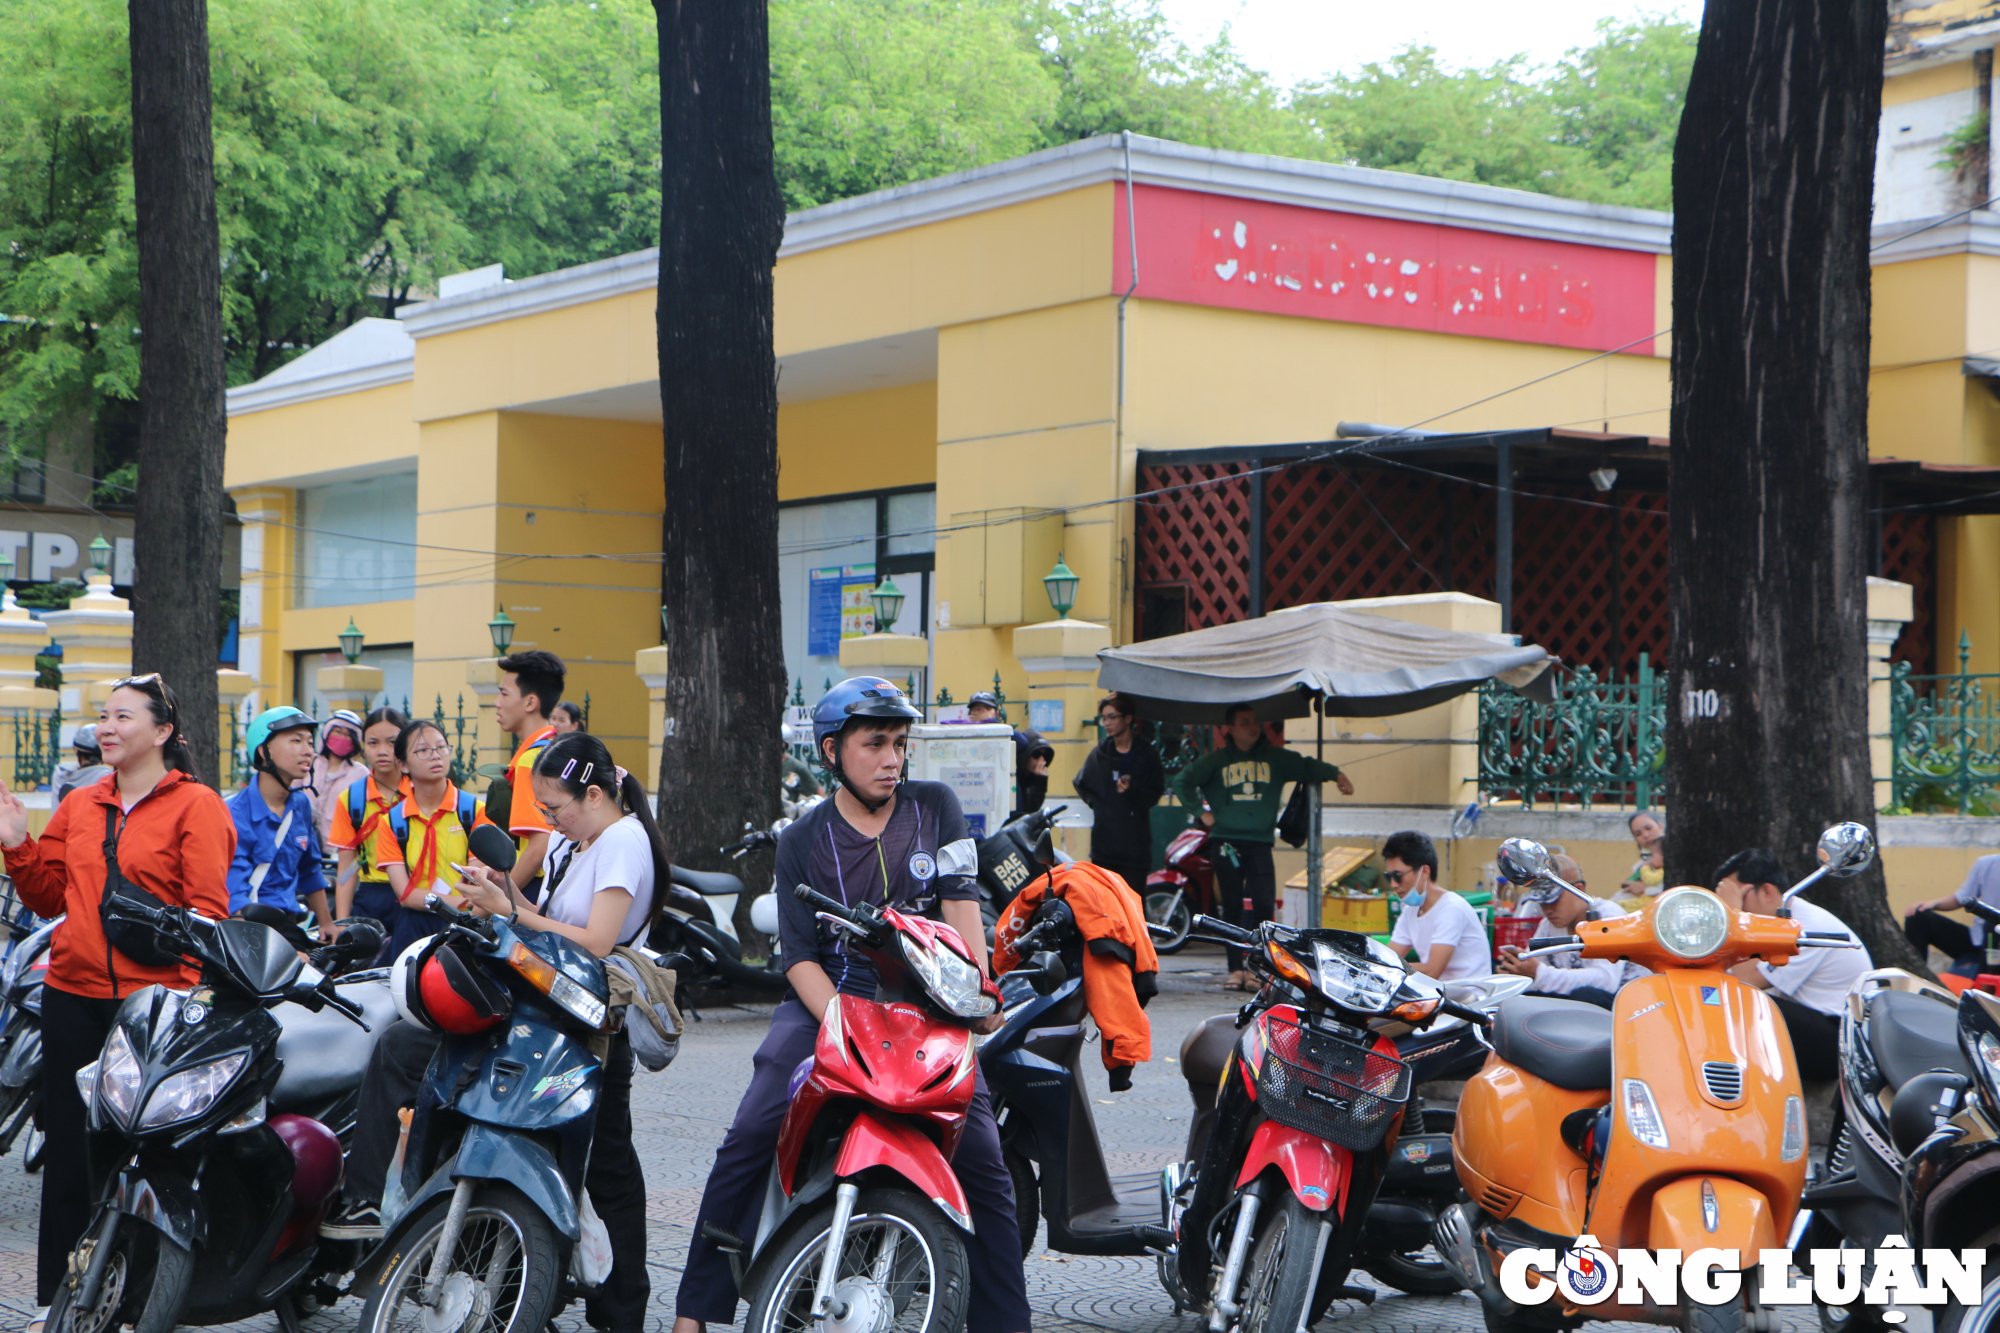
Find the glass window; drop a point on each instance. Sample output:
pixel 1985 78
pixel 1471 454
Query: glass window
pixel 398 676
pixel 355 541
pixel 837 537
pixel 912 516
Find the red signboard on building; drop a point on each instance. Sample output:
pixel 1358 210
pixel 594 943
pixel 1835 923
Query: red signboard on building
pixel 1283 259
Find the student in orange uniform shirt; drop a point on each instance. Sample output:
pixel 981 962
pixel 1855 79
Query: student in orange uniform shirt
pixel 426 834
pixel 360 824
pixel 170 837
pixel 531 685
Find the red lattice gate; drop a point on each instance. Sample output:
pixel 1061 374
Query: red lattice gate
pixel 1590 571
pixel 1194 547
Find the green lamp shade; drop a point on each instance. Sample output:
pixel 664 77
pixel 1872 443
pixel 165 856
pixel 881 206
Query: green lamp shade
pixel 100 553
pixel 350 642
pixel 888 600
pixel 1061 583
pixel 501 627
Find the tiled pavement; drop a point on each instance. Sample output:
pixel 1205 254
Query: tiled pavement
pixel 681 1116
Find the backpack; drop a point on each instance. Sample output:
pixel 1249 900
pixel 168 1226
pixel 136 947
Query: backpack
pixel 500 793
pixel 399 821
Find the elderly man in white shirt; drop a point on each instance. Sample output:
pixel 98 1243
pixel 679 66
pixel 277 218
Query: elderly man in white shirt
pixel 1812 985
pixel 1595 980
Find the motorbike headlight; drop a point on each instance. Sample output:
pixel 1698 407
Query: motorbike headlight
pixel 86 1083
pixel 545 977
pixel 1691 923
pixel 192 1091
pixel 950 980
pixel 1363 987
pixel 119 1078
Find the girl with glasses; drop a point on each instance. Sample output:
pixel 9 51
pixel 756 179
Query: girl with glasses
pixel 425 834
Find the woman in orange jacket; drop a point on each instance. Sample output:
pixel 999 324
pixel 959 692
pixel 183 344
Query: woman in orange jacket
pixel 170 836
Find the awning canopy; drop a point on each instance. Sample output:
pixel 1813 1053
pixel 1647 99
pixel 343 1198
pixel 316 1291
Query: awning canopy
pixel 1357 664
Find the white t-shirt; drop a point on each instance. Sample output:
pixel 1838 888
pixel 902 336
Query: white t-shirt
pixel 1451 921
pixel 1563 973
pixel 1819 978
pixel 620 858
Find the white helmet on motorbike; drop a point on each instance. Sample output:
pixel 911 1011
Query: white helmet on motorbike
pixel 403 978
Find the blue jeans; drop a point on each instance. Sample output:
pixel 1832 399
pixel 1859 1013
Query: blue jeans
pixel 735 1191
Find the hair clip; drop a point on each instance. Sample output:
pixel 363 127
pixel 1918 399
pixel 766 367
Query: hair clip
pixel 568 769
pixel 585 779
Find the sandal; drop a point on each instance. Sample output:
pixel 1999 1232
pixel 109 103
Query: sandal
pixel 40 1319
pixel 1234 981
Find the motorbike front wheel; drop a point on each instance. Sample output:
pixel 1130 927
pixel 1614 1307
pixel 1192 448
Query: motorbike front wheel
pixel 142 1260
pixel 1417 1273
pixel 504 1276
pixel 904 1267
pixel 34 1144
pixel 1283 1270
pixel 1169 908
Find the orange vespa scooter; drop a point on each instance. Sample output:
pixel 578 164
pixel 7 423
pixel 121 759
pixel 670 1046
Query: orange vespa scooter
pixel 1672 1122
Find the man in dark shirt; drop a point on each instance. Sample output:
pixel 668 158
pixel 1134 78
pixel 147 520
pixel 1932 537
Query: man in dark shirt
pixel 879 841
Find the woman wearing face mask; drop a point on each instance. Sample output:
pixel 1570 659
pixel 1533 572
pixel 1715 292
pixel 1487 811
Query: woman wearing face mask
pixel 169 837
pixel 337 765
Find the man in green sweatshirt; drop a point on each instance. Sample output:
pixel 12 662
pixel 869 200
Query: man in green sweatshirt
pixel 1241 783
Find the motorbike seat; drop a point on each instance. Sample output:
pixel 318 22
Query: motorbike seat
pixel 1206 1050
pixel 325 1053
pixel 708 883
pixel 1566 1042
pixel 1909 1034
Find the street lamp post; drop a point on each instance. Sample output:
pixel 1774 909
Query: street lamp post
pixel 100 554
pixel 351 640
pixel 1061 584
pixel 501 627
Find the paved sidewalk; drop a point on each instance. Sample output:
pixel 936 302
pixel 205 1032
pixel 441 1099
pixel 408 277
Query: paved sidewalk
pixel 681 1116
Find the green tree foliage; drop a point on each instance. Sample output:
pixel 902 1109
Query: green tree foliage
pixel 364 150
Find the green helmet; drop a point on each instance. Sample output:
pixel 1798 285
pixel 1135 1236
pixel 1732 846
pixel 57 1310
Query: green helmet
pixel 268 724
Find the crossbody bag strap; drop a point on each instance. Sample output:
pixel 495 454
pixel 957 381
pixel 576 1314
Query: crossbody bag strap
pixel 277 843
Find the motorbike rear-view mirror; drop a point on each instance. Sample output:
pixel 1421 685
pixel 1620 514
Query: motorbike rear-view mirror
pixel 1522 860
pixel 1846 849
pixel 1048 972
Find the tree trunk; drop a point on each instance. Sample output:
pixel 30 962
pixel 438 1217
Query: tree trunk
pixel 1767 738
pixel 177 552
pixel 721 219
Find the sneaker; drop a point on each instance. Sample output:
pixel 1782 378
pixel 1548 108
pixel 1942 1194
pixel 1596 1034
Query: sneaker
pixel 357 1221
pixel 41 1318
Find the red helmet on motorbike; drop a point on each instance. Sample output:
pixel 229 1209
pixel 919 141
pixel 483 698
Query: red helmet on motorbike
pixel 435 987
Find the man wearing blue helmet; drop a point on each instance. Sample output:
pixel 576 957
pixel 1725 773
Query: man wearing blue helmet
pixel 277 858
pixel 883 841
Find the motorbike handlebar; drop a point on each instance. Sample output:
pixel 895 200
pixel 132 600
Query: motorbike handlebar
pixel 1219 931
pixel 1985 911
pixel 346 1006
pixel 1827 939
pixel 1478 1017
pixel 1552 944
pixel 819 902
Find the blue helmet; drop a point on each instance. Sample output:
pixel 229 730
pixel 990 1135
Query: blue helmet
pixel 268 724
pixel 860 697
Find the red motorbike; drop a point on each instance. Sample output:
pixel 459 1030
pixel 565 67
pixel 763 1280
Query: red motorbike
pixel 865 1223
pixel 1182 889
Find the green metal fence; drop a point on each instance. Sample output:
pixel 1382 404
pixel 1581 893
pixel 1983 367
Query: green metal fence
pixel 1944 739
pixel 1601 741
pixel 37 748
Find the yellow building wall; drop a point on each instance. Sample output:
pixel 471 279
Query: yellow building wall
pixel 857 442
pixel 1917 85
pixel 1025 420
pixel 371 430
pixel 1044 252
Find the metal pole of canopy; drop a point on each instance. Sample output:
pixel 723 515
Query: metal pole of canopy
pixel 1313 866
pixel 1503 535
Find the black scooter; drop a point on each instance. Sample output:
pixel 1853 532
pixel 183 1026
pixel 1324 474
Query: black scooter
pixel 1946 1199
pixel 698 920
pixel 21 980
pixel 213 1104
